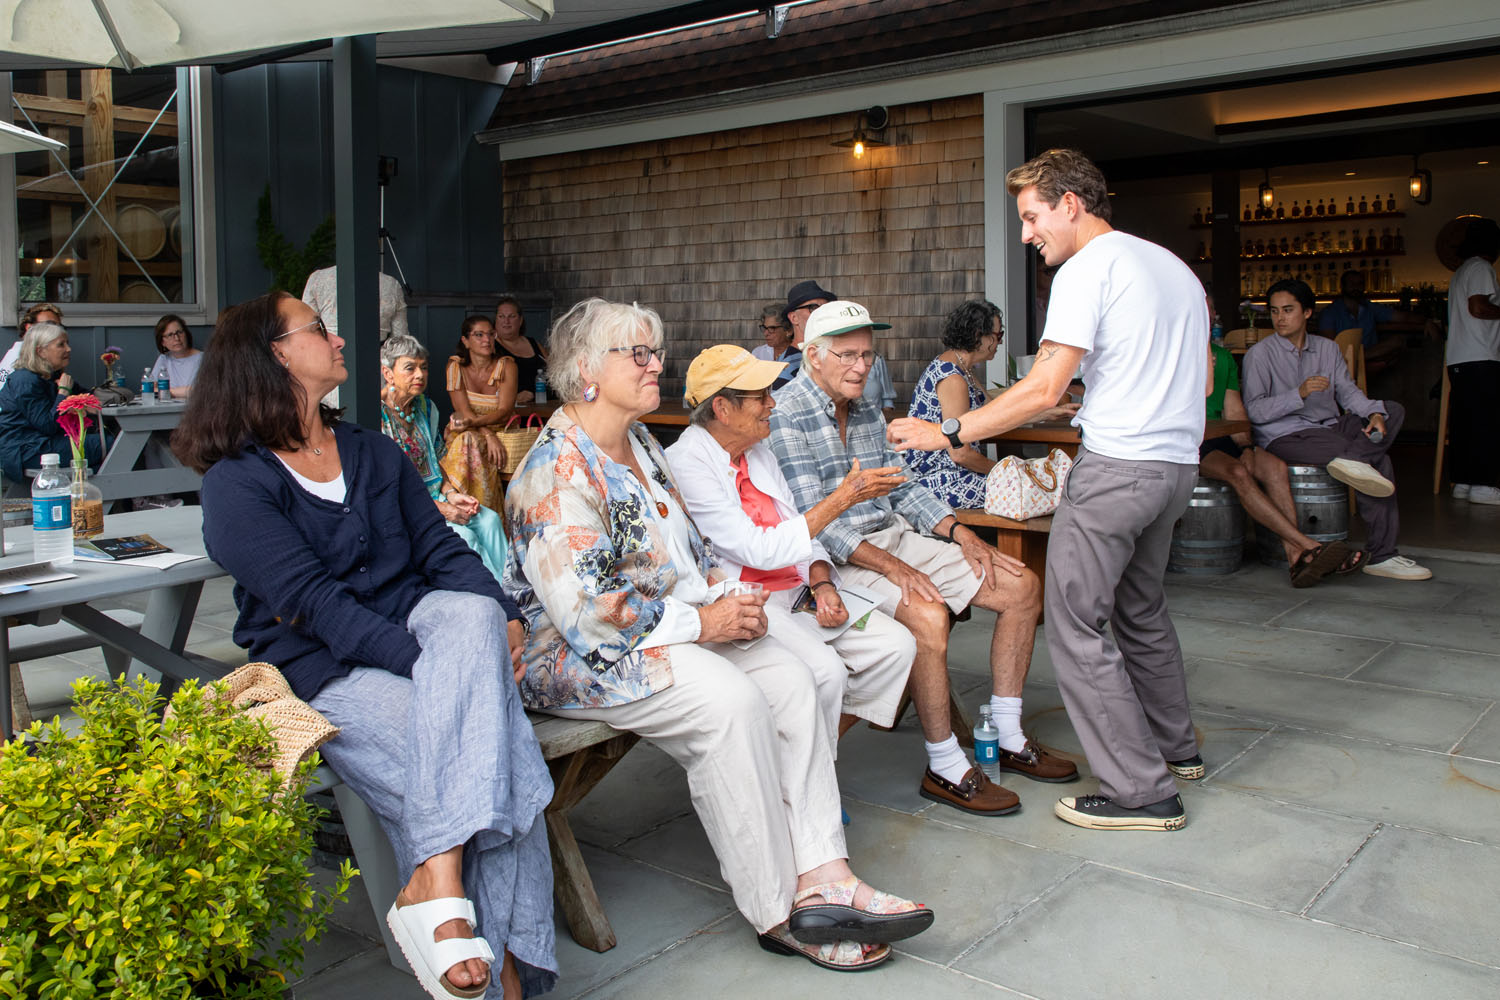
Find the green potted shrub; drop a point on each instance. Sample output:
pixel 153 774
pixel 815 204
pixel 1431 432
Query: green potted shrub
pixel 144 857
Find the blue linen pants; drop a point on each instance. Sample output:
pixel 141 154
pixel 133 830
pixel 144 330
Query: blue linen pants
pixel 1124 689
pixel 447 757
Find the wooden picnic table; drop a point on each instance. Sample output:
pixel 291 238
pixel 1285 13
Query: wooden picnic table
pixel 1068 438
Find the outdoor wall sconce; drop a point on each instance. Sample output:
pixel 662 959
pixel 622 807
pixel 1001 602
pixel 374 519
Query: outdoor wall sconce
pixel 1267 192
pixel 869 131
pixel 1420 184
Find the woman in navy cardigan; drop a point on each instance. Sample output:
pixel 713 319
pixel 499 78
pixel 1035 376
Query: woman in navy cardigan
pixel 28 404
pixel 387 623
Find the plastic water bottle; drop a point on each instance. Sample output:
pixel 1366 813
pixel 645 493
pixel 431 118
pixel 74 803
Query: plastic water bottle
pixel 163 389
pixel 52 513
pixel 148 388
pixel 541 386
pixel 987 745
pixel 1216 333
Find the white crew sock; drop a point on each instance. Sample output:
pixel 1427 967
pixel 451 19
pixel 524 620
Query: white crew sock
pixel 947 759
pixel 1005 713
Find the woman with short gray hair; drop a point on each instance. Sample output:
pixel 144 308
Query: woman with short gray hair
pixel 633 624
pixel 408 418
pixel 28 403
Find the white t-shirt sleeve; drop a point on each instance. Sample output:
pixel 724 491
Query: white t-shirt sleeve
pixel 1075 305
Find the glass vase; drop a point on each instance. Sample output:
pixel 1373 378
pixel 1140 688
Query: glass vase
pixel 88 504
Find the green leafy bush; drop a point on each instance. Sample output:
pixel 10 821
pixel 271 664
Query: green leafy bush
pixel 289 266
pixel 150 858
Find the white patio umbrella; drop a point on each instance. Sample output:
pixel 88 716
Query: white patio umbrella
pixel 133 33
pixel 14 139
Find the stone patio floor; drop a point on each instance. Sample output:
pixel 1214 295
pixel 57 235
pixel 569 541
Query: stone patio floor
pixel 1345 843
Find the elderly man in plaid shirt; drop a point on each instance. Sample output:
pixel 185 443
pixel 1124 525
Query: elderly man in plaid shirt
pixel 909 548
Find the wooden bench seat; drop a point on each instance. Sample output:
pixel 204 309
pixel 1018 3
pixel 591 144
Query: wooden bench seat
pixel 579 754
pixel 1024 540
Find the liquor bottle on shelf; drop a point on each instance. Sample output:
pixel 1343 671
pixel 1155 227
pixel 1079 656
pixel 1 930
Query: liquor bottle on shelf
pixel 1321 209
pixel 1284 247
pixel 1280 210
pixel 1390 277
pixel 1400 244
pixel 1349 207
pixel 1296 209
pixel 1202 253
pixel 1343 243
pixel 1325 241
pixel 1307 209
pixel 1386 243
pixel 1364 272
pixel 1372 243
pixel 1364 205
pixel 1296 244
pixel 1248 216
pixel 1390 202
pixel 1197 216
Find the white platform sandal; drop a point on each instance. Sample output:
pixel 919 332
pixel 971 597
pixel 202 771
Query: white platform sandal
pixel 413 925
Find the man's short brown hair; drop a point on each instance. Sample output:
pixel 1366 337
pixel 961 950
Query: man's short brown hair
pixel 1058 171
pixel 29 316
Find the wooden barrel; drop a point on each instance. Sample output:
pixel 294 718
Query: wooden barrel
pixel 171 218
pixel 139 292
pixel 141 230
pixel 1209 539
pixel 1322 504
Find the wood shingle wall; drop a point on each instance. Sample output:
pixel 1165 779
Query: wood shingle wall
pixel 707 229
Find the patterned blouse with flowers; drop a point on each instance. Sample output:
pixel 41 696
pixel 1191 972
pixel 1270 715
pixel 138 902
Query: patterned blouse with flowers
pixel 592 566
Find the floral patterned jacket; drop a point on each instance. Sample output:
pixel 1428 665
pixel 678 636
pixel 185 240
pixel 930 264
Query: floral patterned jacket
pixel 590 569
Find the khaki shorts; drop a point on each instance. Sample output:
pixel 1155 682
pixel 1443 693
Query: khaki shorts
pixel 942 561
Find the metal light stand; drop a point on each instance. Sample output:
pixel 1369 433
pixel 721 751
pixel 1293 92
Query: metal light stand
pixel 388 166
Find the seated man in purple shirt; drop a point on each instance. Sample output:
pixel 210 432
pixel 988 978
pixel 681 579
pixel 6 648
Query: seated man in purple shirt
pixel 1294 387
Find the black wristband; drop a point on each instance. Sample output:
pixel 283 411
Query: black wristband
pixel 953 529
pixel 821 583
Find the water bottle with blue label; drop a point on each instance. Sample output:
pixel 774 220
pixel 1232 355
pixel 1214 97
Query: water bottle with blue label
pixel 541 386
pixel 148 388
pixel 987 745
pixel 163 388
pixel 52 513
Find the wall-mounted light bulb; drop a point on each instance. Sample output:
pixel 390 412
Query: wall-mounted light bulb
pixel 859 148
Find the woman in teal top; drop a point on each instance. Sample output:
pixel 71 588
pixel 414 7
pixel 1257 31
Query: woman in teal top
pixel 409 418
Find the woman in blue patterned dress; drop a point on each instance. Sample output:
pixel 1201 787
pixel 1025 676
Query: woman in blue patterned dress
pixel 949 389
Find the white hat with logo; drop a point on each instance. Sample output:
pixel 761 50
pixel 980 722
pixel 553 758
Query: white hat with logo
pixel 836 318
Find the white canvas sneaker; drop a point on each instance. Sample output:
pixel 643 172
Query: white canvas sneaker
pixel 1399 568
pixel 1461 491
pixel 1363 476
pixel 1484 494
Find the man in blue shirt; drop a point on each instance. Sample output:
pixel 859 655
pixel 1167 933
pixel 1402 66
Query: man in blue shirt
pixel 1351 309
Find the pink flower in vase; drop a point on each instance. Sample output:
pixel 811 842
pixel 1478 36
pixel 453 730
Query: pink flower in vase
pixel 72 417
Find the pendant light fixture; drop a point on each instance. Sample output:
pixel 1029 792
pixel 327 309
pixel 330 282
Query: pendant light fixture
pixel 1267 192
pixel 1419 184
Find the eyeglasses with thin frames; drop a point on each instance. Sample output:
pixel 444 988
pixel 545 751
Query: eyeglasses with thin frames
pixel 849 358
pixel 316 324
pixel 756 395
pixel 641 354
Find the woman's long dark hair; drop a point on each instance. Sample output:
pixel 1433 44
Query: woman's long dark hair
pixel 470 322
pixel 242 393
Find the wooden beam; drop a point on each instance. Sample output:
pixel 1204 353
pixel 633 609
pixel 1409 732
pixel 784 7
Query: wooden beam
pixel 57 187
pixel 53 110
pixel 98 162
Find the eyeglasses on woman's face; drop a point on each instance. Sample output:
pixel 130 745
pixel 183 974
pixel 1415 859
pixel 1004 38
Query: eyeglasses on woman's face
pixel 316 324
pixel 641 354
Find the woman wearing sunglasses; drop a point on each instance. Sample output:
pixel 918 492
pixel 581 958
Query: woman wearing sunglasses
pixel 632 624
pixel 382 619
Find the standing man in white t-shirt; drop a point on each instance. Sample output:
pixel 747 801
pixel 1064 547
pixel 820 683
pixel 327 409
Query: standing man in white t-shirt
pixel 1134 316
pixel 1474 367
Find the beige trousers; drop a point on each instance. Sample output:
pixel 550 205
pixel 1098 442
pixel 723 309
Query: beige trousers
pixel 750 728
pixel 869 667
pixel 942 561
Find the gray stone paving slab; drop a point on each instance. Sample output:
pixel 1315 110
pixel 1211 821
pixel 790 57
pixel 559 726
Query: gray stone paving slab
pixel 1353 708
pixel 365 976
pixel 1197 600
pixel 1433 668
pixel 1429 791
pixel 725 962
pixel 1430 891
pixel 1483 741
pixel 643 791
pixel 1274 646
pixel 649 911
pixel 1233 845
pixel 1476 600
pixel 972 882
pixel 1132 937
pixel 884 768
pixel 679 846
pixel 1480 634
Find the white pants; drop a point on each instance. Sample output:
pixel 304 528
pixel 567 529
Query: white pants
pixel 750 728
pixel 870 666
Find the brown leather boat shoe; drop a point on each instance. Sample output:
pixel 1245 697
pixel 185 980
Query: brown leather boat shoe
pixel 1038 763
pixel 975 794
